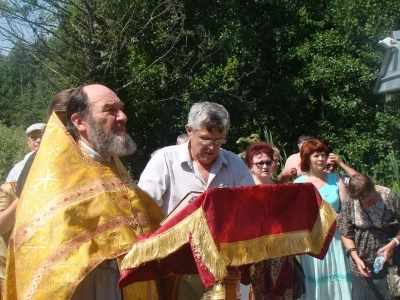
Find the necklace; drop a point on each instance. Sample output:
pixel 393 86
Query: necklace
pixel 115 163
pixel 136 223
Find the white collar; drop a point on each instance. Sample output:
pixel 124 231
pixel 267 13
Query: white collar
pixel 93 154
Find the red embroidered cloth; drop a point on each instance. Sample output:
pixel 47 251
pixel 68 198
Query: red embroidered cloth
pixel 233 226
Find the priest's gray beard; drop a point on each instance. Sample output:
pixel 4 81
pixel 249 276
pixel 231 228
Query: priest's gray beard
pixel 110 143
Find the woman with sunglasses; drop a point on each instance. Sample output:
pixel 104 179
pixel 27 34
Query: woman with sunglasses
pixel 369 223
pixel 259 160
pixel 272 278
pixel 328 278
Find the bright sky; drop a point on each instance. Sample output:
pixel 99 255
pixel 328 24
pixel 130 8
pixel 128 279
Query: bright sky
pixel 5 46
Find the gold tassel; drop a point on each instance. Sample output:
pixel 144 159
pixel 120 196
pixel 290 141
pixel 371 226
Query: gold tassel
pixel 232 254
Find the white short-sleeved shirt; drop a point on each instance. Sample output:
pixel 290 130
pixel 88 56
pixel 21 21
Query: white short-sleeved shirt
pixel 16 170
pixel 171 174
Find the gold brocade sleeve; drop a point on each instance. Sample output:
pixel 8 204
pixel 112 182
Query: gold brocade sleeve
pixel 73 214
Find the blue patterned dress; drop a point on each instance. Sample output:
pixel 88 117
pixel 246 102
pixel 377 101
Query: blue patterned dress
pixel 329 278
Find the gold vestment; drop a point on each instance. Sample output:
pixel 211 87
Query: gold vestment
pixel 73 214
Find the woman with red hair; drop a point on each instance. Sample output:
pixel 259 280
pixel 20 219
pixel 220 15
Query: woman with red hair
pixel 259 160
pixel 329 278
pixel 263 160
pixel 272 278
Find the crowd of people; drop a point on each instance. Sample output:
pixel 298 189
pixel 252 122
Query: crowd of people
pixel 70 211
pixel 368 224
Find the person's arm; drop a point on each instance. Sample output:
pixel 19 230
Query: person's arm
pixel 154 179
pixel 286 175
pixel 351 251
pixel 342 188
pixel 348 231
pixel 349 170
pixel 7 217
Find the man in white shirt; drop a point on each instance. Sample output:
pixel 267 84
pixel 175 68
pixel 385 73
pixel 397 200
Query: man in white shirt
pixel 34 136
pixel 196 165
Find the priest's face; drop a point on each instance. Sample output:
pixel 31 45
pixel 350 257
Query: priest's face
pixel 104 124
pixel 114 142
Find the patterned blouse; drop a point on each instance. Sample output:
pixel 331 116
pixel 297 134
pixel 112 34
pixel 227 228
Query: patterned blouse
pixel 354 224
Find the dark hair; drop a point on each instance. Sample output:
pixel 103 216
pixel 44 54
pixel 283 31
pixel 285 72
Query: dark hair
pixel 78 104
pixel 304 138
pixel 257 148
pixel 308 148
pixel 60 101
pixel 360 184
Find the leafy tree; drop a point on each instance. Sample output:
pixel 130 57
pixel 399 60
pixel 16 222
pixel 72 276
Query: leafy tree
pixel 293 67
pixel 24 93
pixel 13 148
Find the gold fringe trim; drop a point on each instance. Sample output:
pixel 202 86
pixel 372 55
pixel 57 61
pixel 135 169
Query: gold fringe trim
pixel 232 254
pixel 162 245
pixel 285 244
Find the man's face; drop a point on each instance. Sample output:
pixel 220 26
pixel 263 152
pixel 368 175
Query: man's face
pixel 330 166
pixel 34 139
pixel 105 124
pixel 106 109
pixel 205 145
pixel 110 143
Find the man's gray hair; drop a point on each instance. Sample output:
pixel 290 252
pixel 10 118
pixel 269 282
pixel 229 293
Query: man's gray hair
pixel 210 115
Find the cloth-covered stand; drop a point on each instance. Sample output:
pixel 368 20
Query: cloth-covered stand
pixel 233 227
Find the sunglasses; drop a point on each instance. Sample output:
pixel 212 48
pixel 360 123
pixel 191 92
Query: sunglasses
pixel 261 164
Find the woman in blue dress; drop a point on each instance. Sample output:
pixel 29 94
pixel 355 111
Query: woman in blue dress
pixel 329 278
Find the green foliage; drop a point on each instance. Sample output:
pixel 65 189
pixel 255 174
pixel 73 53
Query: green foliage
pixel 394 173
pixel 244 142
pixel 294 67
pixel 13 148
